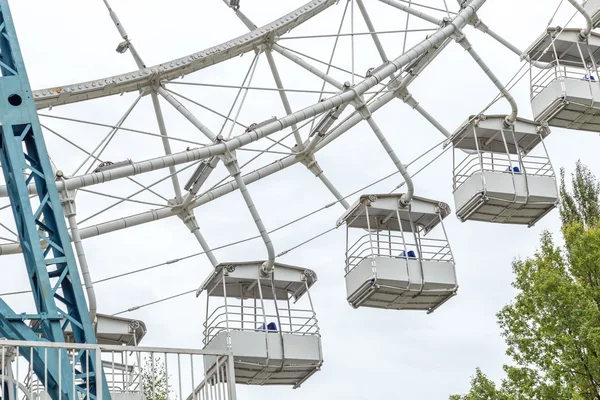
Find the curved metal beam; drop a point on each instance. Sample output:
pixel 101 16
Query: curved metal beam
pixel 136 80
pixel 221 148
pixel 585 32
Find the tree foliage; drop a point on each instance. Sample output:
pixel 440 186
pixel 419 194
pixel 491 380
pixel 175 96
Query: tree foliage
pixel 552 328
pixel 482 388
pixel 155 381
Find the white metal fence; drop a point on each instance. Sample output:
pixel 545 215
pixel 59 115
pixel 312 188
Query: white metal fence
pixel 499 162
pixel 131 372
pixel 255 318
pixel 396 245
pixel 545 77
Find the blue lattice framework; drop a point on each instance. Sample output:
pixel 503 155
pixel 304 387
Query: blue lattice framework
pixel 43 235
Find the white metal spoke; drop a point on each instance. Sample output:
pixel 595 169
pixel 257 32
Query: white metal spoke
pixel 413 4
pixel 283 95
pixel 96 158
pixel 171 138
pixel 406 28
pixel 411 11
pixel 186 113
pixel 167 146
pixel 334 47
pixel 266 151
pixel 8 240
pixel 245 93
pixel 213 111
pixel 313 70
pixel 250 69
pixel 369 23
pixel 447 9
pixel 370 33
pixel 292 52
pixel 204 106
pixel 288 90
pixel 352 37
pixel 144 188
pixel 220 183
pixel 9 230
pixel 124 199
pixel 104 142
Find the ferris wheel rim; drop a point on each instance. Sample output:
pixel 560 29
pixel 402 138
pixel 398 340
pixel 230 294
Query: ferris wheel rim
pixel 141 78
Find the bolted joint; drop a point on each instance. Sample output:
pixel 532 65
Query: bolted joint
pixel 544 128
pixel 229 159
pixel 361 107
pixel 67 200
pixel 508 122
pixel 477 23
pixel 478 119
pixel 189 219
pixel 406 97
pixel 364 112
pixel 155 83
pixel 312 165
pixel 445 22
pixel 265 270
pixel 461 39
pixel 403 201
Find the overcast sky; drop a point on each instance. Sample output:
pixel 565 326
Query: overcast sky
pixel 368 353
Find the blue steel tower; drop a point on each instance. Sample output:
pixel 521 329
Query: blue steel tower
pixel 43 235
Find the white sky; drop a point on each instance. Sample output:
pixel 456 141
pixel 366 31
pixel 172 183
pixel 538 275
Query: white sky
pixel 368 353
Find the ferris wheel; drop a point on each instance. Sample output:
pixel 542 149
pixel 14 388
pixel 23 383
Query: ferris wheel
pixel 257 116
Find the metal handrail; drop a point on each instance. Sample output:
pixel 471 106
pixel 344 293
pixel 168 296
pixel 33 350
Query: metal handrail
pixel 217 323
pixel 544 78
pixel 123 369
pixel 292 321
pixel 497 162
pixel 213 316
pixel 392 245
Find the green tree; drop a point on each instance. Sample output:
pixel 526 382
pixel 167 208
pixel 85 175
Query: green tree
pixel 155 381
pixel 482 388
pixel 552 328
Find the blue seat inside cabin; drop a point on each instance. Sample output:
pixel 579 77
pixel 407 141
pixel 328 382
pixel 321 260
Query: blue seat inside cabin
pixel 516 170
pixel 411 254
pixel 271 326
pixel 589 77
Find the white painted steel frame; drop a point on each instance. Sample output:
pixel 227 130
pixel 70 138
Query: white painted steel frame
pixel 173 69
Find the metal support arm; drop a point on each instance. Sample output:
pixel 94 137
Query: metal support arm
pixel 410 187
pixel 70 210
pixel 585 32
pixel 232 165
pixel 480 25
pixel 463 41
